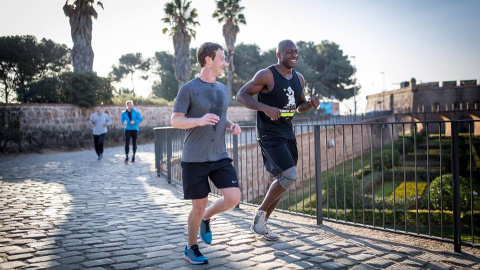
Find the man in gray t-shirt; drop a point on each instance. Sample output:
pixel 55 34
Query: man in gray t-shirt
pixel 100 121
pixel 196 99
pixel 201 108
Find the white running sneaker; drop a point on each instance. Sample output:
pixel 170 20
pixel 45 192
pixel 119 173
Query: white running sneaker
pixel 269 235
pixel 258 225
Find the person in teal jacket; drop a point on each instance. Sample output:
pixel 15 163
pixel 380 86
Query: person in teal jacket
pixel 130 120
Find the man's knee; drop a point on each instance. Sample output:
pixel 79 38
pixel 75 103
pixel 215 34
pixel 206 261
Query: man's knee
pixel 232 198
pixel 288 177
pixel 199 205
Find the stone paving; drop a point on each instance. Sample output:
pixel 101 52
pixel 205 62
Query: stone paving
pixel 69 211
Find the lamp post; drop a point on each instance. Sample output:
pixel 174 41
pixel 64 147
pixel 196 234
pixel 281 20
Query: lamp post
pixel 383 91
pixel 355 90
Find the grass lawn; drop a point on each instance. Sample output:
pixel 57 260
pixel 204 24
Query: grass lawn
pixel 388 189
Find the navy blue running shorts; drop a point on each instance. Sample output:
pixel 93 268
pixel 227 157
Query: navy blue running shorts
pixel 279 154
pixel 195 177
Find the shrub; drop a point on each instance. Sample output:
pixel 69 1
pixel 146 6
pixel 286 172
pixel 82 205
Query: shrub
pixel 398 146
pixel 411 189
pixel 340 189
pixel 10 127
pixel 39 137
pixel 387 160
pixel 463 157
pixel 74 138
pixel 443 186
pixel 115 135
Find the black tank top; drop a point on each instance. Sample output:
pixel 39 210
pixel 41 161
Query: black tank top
pixel 285 95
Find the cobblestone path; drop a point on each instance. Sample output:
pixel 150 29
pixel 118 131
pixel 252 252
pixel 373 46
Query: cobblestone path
pixel 70 211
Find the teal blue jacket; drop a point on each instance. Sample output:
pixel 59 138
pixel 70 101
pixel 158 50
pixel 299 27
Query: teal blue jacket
pixel 136 116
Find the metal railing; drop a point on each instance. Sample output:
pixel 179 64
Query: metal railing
pixel 313 119
pixel 417 178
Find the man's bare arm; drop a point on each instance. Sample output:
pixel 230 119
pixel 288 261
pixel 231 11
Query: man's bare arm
pixel 260 81
pixel 179 120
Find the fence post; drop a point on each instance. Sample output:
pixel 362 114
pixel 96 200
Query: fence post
pixel 235 158
pixel 157 151
pixel 318 174
pixel 456 189
pixel 169 155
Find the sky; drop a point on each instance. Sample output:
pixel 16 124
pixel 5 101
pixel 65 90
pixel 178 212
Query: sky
pixel 391 41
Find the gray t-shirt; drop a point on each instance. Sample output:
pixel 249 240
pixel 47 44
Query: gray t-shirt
pixel 100 121
pixel 195 99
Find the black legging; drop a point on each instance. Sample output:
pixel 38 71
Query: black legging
pixel 130 134
pixel 98 142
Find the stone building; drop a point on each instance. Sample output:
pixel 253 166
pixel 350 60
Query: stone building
pixel 431 102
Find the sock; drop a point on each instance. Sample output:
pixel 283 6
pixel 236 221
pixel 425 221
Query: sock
pixel 188 247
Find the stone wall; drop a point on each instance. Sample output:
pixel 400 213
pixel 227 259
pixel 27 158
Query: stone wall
pixel 66 116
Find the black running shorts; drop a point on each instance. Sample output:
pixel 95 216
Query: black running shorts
pixel 279 154
pixel 195 177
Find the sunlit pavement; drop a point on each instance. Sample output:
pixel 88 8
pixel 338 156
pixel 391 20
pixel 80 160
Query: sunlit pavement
pixel 70 211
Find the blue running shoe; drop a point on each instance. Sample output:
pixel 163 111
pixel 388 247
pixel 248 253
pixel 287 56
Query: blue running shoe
pixel 205 232
pixel 194 256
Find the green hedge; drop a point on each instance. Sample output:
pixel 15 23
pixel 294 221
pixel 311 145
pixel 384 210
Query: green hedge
pixel 435 216
pixel 387 160
pixel 399 177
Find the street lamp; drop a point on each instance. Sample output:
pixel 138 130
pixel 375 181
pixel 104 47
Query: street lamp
pixel 355 90
pixel 383 90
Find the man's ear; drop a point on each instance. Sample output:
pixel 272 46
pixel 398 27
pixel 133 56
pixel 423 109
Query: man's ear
pixel 208 60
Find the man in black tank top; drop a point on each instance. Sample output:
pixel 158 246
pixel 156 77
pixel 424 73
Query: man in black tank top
pixel 280 94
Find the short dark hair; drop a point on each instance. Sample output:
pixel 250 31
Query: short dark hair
pixel 207 49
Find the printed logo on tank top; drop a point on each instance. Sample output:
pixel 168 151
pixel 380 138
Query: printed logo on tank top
pixel 289 109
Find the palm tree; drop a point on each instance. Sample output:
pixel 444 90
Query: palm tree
pixel 80 13
pixel 181 16
pixel 229 12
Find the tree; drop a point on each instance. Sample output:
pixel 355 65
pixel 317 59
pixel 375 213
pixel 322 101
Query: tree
pixel 80 88
pixel 229 13
pixel 24 59
pixel 128 65
pixel 248 60
pixel 167 87
pixel 80 14
pixel 334 72
pixel 181 18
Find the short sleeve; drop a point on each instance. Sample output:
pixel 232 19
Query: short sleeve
pixel 182 102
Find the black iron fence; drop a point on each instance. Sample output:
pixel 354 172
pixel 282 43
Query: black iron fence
pixel 418 178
